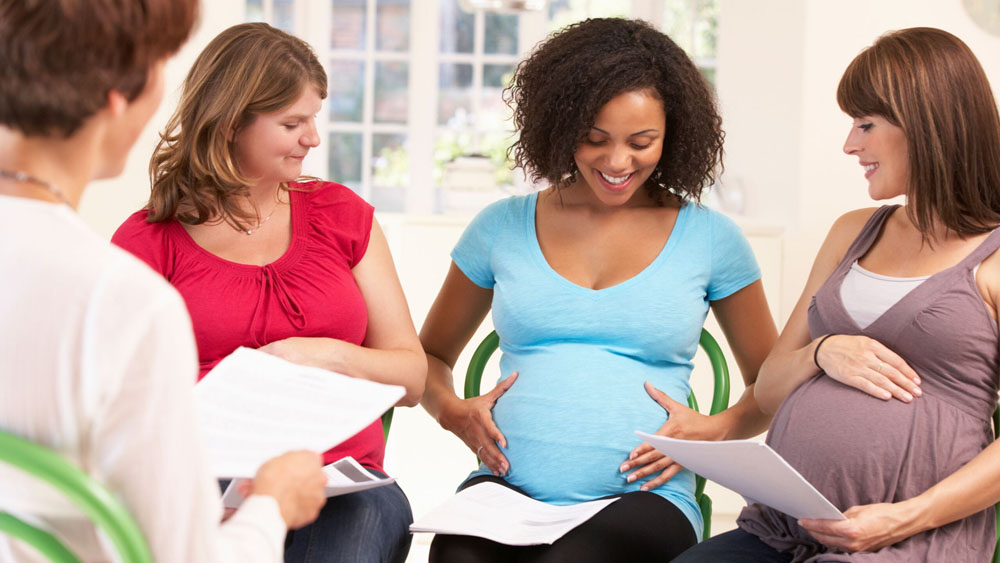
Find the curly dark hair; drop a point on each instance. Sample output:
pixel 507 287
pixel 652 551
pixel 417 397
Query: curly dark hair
pixel 557 92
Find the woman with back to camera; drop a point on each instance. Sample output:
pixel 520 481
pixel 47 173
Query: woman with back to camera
pixel 886 373
pixel 599 284
pixel 97 359
pixel 299 269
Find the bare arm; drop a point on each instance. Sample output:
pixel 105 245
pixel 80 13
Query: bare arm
pixel 457 312
pixel 749 329
pixel 391 352
pixel 854 360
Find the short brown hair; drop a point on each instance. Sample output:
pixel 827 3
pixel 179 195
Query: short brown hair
pixel 929 83
pixel 247 70
pixel 560 88
pixel 60 58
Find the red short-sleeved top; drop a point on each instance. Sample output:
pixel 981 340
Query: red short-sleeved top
pixel 309 291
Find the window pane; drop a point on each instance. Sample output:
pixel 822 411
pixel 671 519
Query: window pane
pixel 496 77
pixel 706 29
pixel 344 158
pixel 390 172
pixel 347 90
pixel 501 34
pixel 390 160
pixel 677 22
pixel 709 74
pixel 392 80
pixel 255 11
pixel 348 30
pixel 565 12
pixel 447 146
pixel 454 94
pixel 494 146
pixel 284 15
pixel 393 25
pixel 457 28
pixel 610 8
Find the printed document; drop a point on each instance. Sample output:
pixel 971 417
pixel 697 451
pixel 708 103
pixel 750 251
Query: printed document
pixel 254 406
pixel 751 469
pixel 492 511
pixel 343 476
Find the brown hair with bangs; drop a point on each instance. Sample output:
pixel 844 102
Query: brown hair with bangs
pixel 247 70
pixel 927 82
pixel 59 59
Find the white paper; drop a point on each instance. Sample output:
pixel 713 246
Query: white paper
pixel 492 511
pixel 751 469
pixel 254 406
pixel 343 476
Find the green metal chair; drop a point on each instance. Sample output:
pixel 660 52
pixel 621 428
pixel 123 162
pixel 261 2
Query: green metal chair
pixel 90 497
pixel 387 422
pixel 720 398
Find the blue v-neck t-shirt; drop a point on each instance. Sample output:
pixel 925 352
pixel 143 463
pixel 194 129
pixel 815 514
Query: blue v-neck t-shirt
pixel 582 355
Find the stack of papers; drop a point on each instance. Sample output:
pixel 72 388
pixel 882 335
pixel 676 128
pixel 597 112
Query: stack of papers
pixel 254 406
pixel 492 511
pixel 751 469
pixel 342 477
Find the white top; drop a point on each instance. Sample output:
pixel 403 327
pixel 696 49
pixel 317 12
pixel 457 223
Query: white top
pixel 98 362
pixel 867 295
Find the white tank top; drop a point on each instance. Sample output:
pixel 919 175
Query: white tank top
pixel 866 295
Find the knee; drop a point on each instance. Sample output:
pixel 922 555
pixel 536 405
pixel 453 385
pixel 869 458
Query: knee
pixel 448 549
pixel 377 512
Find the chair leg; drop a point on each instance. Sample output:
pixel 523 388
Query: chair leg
pixel 705 503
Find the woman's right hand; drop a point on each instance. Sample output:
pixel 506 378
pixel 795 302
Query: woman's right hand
pixel 866 364
pixel 296 480
pixel 472 421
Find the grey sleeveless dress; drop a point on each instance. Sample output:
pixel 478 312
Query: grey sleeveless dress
pixel 857 449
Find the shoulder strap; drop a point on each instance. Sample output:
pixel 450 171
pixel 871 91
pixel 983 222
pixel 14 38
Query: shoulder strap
pixel 985 248
pixel 866 237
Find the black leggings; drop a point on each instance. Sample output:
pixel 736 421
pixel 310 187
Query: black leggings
pixel 640 526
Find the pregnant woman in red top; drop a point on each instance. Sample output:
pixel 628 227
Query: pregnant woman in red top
pixel 263 259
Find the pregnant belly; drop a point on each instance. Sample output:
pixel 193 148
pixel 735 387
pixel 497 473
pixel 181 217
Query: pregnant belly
pixel 566 449
pixel 851 446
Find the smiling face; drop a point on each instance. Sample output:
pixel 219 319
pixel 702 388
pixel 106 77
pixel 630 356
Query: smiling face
pixel 881 149
pixel 270 149
pixel 622 148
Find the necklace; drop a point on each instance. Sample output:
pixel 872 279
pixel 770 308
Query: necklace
pixel 19 176
pixel 262 221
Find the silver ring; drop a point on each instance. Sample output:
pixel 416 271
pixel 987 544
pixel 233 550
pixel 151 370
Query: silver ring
pixel 479 449
pixel 879 370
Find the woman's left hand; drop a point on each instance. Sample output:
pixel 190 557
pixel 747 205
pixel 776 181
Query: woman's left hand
pixel 868 527
pixel 682 423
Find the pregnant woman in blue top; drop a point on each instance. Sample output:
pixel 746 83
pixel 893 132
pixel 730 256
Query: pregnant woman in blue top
pixel 598 285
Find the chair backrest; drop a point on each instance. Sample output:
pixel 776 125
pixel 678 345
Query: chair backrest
pixel 720 398
pixel 387 423
pixel 90 497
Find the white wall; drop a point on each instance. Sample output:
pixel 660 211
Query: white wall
pixel 779 65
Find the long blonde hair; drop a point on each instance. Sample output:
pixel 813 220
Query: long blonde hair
pixel 247 70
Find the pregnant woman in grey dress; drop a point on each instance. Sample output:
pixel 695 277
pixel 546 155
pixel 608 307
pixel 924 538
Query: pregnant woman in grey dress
pixel 886 373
